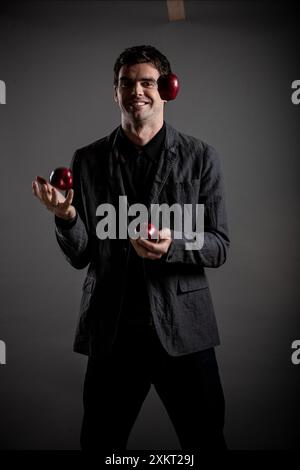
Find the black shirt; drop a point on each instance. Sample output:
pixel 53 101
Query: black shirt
pixel 138 167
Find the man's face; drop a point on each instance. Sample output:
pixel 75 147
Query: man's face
pixel 137 94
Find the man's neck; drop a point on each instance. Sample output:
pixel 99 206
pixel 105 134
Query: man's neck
pixel 141 134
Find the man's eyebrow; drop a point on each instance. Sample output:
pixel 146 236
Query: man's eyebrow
pixel 148 79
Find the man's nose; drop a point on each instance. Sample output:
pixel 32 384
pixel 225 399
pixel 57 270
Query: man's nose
pixel 137 88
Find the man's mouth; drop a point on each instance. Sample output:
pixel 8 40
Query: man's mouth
pixel 139 104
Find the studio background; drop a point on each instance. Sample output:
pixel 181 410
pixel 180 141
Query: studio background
pixel 236 62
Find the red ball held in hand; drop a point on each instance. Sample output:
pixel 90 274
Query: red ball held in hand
pixel 152 233
pixel 62 178
pixel 168 86
pixel 150 229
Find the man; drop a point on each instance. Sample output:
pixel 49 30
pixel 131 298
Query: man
pixel 146 313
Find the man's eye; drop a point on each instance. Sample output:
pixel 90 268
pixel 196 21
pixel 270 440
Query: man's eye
pixel 148 84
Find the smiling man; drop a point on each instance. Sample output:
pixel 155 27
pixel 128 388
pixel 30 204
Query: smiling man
pixel 142 109
pixel 146 315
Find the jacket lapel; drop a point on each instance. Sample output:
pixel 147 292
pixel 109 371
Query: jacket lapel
pixel 166 162
pixel 114 175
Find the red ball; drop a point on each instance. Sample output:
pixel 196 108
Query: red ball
pixel 152 233
pixel 62 178
pixel 150 229
pixel 168 86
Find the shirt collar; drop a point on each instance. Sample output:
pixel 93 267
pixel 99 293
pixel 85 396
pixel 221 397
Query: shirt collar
pixel 152 149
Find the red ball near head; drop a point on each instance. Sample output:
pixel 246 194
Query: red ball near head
pixel 168 86
pixel 61 178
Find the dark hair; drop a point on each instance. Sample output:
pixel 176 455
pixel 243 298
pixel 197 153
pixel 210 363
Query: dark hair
pixel 139 55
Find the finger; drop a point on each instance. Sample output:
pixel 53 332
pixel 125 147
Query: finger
pixel 38 186
pixel 54 199
pixel 150 246
pixel 144 252
pixel 43 191
pixel 49 188
pixel 70 196
pixel 41 180
pixel 164 246
pixel 68 200
pixel 36 190
pixel 45 195
pixel 159 248
pixel 165 234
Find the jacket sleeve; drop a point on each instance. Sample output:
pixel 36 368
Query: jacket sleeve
pixel 216 242
pixel 72 235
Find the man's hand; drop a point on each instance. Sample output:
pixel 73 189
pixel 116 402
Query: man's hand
pixel 152 250
pixel 54 201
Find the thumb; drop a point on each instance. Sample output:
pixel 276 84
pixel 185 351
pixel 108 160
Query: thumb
pixel 69 197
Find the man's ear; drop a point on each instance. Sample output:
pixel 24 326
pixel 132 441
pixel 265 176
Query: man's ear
pixel 116 95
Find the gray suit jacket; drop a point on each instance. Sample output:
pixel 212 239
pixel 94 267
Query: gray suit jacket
pixel 188 173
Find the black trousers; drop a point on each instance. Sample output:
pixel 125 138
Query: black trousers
pixel 116 386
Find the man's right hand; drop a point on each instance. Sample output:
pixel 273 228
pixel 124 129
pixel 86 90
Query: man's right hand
pixel 54 201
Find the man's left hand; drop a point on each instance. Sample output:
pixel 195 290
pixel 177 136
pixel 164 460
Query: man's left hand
pixel 153 249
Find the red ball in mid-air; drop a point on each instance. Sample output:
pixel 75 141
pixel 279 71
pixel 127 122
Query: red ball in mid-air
pixel 168 86
pixel 61 178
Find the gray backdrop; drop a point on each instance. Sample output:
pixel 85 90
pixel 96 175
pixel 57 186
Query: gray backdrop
pixel 236 62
